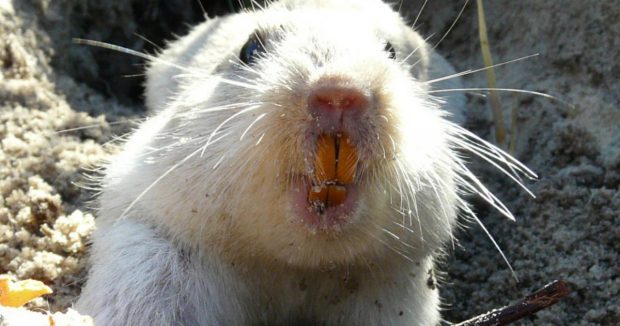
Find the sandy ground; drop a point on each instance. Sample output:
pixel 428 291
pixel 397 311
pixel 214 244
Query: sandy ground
pixel 49 87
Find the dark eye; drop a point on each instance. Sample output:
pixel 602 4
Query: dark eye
pixel 252 48
pixel 390 50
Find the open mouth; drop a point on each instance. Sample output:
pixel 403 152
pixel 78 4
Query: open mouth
pixel 326 198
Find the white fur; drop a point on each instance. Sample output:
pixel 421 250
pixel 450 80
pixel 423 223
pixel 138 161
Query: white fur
pixel 195 225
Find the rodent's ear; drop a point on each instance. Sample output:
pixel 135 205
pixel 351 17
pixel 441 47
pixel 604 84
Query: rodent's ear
pixel 251 49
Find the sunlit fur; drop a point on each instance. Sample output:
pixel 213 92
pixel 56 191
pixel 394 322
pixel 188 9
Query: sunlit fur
pixel 196 225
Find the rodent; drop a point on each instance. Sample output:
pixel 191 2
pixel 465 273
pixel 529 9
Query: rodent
pixel 295 170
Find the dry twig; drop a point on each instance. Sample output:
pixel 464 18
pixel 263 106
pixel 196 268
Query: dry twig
pixel 543 298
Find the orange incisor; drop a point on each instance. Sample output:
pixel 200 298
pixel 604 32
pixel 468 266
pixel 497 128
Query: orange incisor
pixel 335 166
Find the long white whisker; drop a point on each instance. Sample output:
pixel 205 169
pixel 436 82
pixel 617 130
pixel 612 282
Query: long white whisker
pixel 396 237
pixel 523 91
pixel 414 51
pixel 409 195
pixel 224 123
pixel 251 124
pixel 95 126
pixel 219 161
pixel 472 71
pixel 220 137
pixel 471 214
pixel 159 48
pixel 490 153
pixel 238 83
pixel 232 106
pixel 202 8
pixel 404 227
pixel 121 49
pixel 259 139
pixel 453 24
pixel 407 192
pixel 161 177
pixel 479 188
pixel 192 71
pixel 466 133
pixel 257 4
pixel 510 175
pixel 152 150
pixel 433 178
pixel 415 22
pixel 392 248
pixel 192 74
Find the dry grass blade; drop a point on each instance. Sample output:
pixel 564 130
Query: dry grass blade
pixel 500 129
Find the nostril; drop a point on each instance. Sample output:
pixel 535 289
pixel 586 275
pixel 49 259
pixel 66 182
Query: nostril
pixel 337 98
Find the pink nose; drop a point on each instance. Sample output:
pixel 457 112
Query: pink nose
pixel 336 98
pixel 337 108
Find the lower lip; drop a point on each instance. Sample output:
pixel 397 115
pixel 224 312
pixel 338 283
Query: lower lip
pixel 333 218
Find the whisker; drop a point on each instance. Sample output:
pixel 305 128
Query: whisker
pixel 409 196
pixel 154 183
pixel 400 5
pixel 472 71
pixel 149 57
pixel 215 140
pixel 214 132
pixel 219 161
pixel 159 48
pixel 453 24
pixel 259 139
pixel 548 96
pixel 398 252
pixel 240 84
pixel 191 74
pixel 490 153
pixel 133 75
pixel 414 51
pixel 497 166
pixel 97 125
pixel 202 8
pixel 480 189
pixel 125 50
pixel 404 227
pixel 415 22
pixel 466 133
pixel 232 106
pixel 397 238
pixel 471 214
pixel 442 185
pixel 251 124
pixel 255 4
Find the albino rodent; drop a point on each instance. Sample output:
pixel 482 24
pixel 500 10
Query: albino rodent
pixel 296 170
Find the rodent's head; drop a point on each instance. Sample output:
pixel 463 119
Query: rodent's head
pixel 319 142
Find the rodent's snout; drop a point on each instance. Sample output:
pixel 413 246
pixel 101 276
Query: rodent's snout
pixel 336 98
pixel 336 108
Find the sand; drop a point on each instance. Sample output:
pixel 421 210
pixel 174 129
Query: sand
pixel 571 230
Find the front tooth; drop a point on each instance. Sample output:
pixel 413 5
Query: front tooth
pixel 325 159
pixel 347 161
pixel 335 166
pixel 319 197
pixel 336 195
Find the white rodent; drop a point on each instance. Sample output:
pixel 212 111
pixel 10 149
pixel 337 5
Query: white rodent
pixel 223 209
